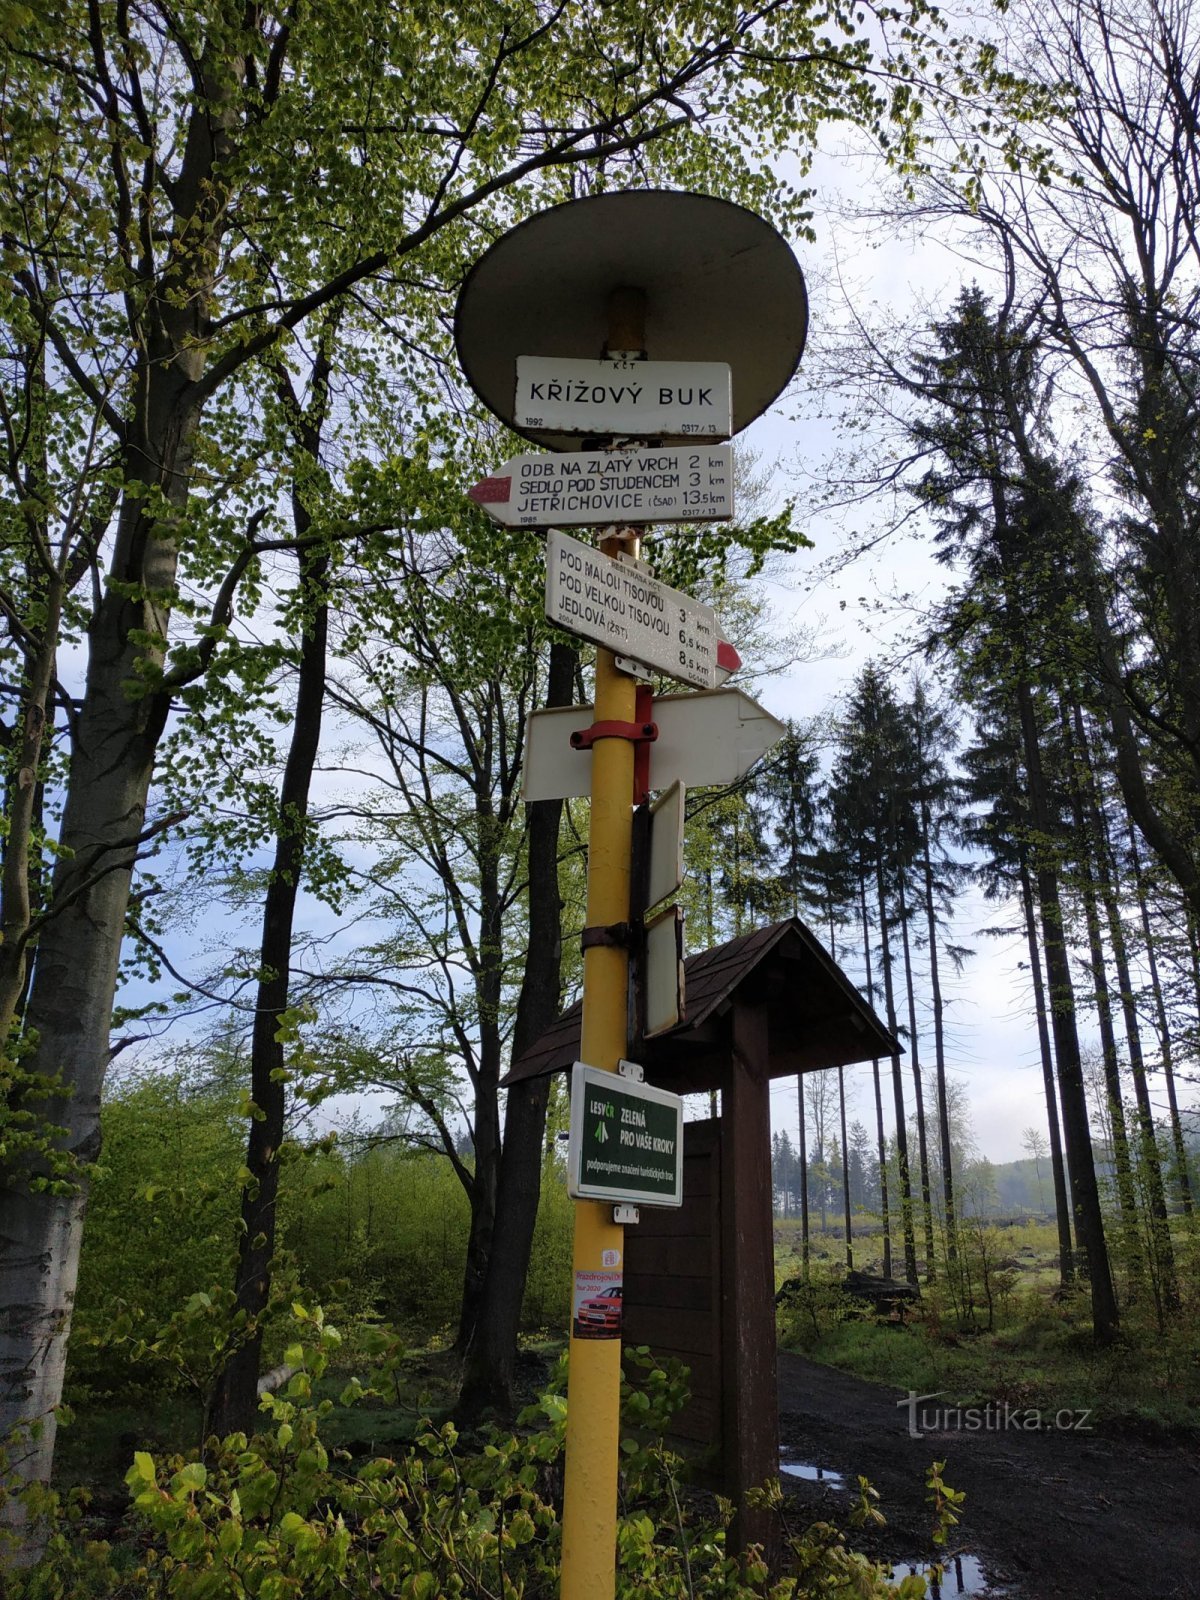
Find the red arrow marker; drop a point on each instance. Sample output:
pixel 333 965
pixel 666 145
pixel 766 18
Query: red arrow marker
pixel 490 491
pixel 728 659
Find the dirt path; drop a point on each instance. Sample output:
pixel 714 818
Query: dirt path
pixel 1051 1515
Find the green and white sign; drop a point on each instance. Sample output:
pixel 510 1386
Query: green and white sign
pixel 626 1141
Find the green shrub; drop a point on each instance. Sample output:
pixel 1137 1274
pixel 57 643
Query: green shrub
pixel 807 1312
pixel 161 1220
pixel 547 1301
pixel 279 1517
pixel 389 1221
pixel 375 1234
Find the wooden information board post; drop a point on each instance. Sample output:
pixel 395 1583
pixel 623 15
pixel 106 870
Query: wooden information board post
pixel 699 1281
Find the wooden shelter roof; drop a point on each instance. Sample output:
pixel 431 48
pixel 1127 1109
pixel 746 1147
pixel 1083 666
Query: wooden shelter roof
pixel 816 1017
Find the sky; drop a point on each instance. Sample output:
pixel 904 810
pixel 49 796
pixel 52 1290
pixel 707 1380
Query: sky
pixel 853 615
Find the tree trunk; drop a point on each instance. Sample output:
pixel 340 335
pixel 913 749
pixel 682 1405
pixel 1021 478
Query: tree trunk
pixel 485 1075
pixel 881 1141
pixel 906 1205
pixel 939 1032
pixel 482 1194
pixel 845 1171
pixel 1163 838
pixel 234 1403
pixel 1062 1210
pixel 918 1092
pixel 804 1218
pixel 491 1353
pixel 1182 1176
pixel 1166 1280
pixel 69 1009
pixel 17 908
pixel 115 736
pixel 1126 1196
pixel 1085 1195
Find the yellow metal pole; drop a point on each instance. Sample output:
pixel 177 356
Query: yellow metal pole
pixel 589 1547
pixel 594 1384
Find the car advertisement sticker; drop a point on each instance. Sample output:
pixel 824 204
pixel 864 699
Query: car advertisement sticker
pixel 597 1306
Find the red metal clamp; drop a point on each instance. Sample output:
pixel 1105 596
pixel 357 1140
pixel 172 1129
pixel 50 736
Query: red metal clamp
pixel 636 732
pixel 641 735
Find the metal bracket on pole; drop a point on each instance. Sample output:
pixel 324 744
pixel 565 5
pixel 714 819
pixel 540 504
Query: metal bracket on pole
pixel 617 935
pixel 641 734
pixel 632 1071
pixel 634 669
pixel 635 732
pixel 626 1216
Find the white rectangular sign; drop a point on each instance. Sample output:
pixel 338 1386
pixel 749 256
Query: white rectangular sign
pixel 662 978
pixel 615 604
pixel 626 397
pixel 702 739
pixel 666 825
pixel 654 484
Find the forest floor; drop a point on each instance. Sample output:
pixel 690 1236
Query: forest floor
pixel 1105 1514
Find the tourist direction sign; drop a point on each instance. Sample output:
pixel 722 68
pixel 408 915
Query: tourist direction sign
pixel 625 397
pixel 690 483
pixel 616 604
pixel 626 1140
pixel 709 738
pixel 728 661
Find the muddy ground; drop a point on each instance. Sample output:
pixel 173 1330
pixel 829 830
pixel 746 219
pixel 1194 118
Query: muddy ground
pixel 1052 1515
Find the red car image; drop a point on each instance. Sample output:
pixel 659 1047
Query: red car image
pixel 600 1315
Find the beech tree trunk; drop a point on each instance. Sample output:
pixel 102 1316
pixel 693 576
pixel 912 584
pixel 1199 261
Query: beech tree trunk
pixel 491 1352
pixel 17 906
pixel 234 1403
pixel 115 736
pixel 69 1009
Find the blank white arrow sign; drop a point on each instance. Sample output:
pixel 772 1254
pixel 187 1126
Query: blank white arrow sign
pixel 712 737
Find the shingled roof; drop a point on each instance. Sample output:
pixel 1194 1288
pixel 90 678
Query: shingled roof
pixel 816 1017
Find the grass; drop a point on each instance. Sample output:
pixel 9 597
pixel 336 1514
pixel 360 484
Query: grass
pixel 1039 1352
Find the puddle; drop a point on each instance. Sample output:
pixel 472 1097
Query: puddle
pixel 963 1576
pixel 809 1471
